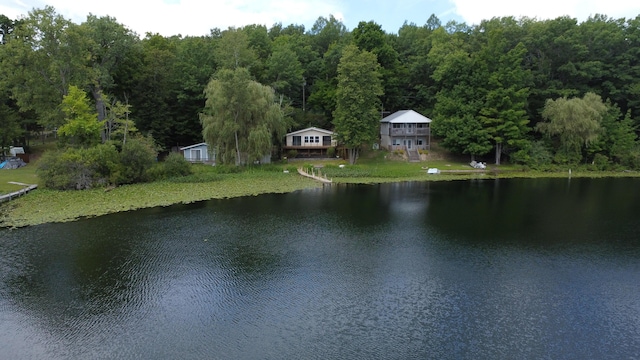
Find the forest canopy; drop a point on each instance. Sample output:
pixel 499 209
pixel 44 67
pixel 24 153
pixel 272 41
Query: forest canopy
pixel 493 90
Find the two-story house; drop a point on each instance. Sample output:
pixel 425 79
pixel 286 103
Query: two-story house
pixel 405 130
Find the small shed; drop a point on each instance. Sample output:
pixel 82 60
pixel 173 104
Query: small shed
pixel 197 153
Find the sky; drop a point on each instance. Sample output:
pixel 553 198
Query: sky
pixel 198 17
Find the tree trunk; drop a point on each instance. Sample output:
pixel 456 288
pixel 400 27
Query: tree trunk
pixel 498 152
pixel 100 108
pixel 237 150
pixel 353 155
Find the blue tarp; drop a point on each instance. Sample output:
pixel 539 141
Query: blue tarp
pixel 2 164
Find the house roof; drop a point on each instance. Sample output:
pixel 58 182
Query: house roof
pixel 406 117
pixel 193 146
pixel 311 129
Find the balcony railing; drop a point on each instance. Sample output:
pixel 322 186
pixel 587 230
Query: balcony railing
pixel 412 132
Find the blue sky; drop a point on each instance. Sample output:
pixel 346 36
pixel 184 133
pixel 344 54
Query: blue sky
pixel 197 17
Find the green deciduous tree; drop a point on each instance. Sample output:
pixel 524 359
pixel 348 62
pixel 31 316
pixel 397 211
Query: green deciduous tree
pixel 241 117
pixel 574 122
pixel 81 126
pixel 461 95
pixel 284 70
pixel 357 115
pixel 233 50
pixel 44 55
pixel 110 43
pixel 369 36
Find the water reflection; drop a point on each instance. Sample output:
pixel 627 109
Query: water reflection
pixel 480 269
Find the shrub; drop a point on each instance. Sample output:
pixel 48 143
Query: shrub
pixel 104 161
pixel 137 157
pixel 600 162
pixel 331 152
pixel 291 154
pixel 539 155
pixel 176 165
pixel 66 170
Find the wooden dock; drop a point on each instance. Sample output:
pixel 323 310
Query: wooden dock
pixel 15 194
pixel 314 176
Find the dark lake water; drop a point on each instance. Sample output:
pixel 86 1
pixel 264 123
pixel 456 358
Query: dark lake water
pixel 493 269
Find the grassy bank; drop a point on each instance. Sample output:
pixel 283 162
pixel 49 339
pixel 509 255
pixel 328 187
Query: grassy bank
pixel 44 206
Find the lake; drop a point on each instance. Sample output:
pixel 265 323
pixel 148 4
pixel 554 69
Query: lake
pixel 483 269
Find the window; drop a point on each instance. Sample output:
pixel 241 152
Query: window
pixel 398 126
pixel 317 139
pixel 306 139
pixel 326 141
pixel 419 142
pixel 297 140
pixel 397 142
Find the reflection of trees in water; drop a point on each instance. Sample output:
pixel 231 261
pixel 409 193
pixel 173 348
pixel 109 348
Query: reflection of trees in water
pixel 555 210
pixel 71 270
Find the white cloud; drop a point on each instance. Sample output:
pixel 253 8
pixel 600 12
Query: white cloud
pixel 189 17
pixel 473 11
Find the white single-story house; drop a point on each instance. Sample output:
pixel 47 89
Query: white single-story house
pixel 198 153
pixel 310 142
pixel 405 130
pixel 202 153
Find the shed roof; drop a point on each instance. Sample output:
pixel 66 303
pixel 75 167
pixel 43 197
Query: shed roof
pixel 193 146
pixel 311 129
pixel 406 117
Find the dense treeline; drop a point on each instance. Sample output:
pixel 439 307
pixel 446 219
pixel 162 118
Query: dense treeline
pixel 501 88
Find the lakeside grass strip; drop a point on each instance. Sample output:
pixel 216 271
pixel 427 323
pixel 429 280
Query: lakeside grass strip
pixel 46 206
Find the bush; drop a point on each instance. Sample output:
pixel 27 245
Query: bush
pixel 331 152
pixel 104 161
pixel 601 162
pixel 137 157
pixel 539 156
pixel 100 165
pixel 291 154
pixel 66 170
pixel 176 165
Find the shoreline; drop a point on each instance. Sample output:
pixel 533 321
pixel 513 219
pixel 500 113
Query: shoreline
pixel 51 206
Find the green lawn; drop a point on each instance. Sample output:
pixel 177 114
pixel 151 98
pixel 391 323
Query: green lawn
pixel 25 175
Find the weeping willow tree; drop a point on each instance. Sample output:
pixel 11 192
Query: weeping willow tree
pixel 241 117
pixel 575 122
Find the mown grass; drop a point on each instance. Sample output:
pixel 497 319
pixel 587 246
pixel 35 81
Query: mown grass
pixel 25 175
pixel 209 182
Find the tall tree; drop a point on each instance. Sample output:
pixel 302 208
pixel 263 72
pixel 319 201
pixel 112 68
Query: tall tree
pixel 461 95
pixel 574 122
pixel 153 99
pixel 233 50
pixel 504 112
pixel 369 36
pixel 284 70
pixel 46 54
pixel 241 117
pixel 109 43
pixel 194 67
pixel 326 32
pixel 6 28
pixel 357 115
